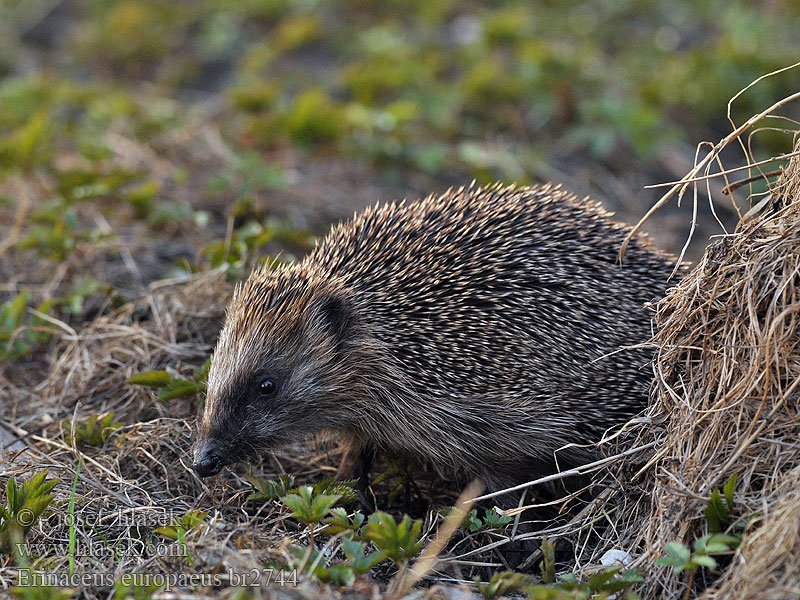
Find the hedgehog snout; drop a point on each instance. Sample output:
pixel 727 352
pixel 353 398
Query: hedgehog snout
pixel 207 460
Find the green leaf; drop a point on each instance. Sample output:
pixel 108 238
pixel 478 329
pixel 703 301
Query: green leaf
pixel 700 543
pixel 705 561
pixel 11 494
pixel 178 389
pixel 729 489
pixel 14 311
pixel 151 379
pixel 716 513
pixel 307 507
pixel 671 561
pixel 502 584
pixel 598 580
pixel 548 561
pixel 399 541
pixel 722 538
pixel 678 550
pixel 338 521
pixel 624 580
pixel 345 489
pixel 355 553
pixel 269 489
pixel 342 575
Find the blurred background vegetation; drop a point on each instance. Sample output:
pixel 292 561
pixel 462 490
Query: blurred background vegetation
pixel 144 139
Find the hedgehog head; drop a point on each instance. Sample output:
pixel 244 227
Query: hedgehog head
pixel 280 368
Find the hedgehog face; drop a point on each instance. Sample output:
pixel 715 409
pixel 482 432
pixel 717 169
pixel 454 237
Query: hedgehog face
pixel 279 370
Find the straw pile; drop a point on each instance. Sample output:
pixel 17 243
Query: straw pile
pixel 728 379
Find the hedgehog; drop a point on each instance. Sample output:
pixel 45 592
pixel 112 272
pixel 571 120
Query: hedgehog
pixel 490 332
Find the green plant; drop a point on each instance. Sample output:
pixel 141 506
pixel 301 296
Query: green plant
pixel 398 541
pixel 314 118
pixel 142 197
pixel 24 505
pixel 74 299
pixel 12 314
pixel 501 584
pixel 723 536
pixel 309 560
pixel 42 592
pixel 548 561
pixel 358 558
pixel 243 245
pixel 178 529
pixel 19 333
pixel 94 431
pixel 611 580
pixel 268 489
pixel 72 529
pixel 186 523
pixel 719 515
pixel 683 559
pixel 340 522
pixel 57 231
pixel 359 561
pixel 172 386
pixel 491 520
pixel 309 507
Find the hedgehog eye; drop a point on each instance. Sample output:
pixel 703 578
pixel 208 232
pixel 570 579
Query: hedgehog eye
pixel 267 388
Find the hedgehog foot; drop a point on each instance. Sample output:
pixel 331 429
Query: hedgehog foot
pixel 355 466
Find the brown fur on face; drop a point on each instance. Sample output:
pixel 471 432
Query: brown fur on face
pixel 479 331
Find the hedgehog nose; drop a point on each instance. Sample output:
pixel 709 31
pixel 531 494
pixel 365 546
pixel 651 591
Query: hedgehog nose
pixel 207 462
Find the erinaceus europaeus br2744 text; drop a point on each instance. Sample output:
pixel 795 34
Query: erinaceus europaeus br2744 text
pixel 478 331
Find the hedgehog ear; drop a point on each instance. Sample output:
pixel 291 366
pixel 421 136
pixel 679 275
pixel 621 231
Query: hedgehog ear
pixel 335 314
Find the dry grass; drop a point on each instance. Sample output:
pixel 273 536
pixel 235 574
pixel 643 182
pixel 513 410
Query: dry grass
pixel 728 372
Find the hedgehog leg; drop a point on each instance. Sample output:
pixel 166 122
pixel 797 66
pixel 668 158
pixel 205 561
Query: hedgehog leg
pixel 356 463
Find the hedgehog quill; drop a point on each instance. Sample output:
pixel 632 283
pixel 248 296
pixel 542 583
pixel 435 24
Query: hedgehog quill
pixel 479 331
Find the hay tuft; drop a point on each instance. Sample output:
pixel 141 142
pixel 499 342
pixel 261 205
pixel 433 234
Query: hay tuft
pixel 727 385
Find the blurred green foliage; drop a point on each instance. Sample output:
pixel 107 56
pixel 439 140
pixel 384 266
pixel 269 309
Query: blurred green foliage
pixel 96 95
pixel 407 83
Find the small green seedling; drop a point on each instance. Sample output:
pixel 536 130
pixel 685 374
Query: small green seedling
pixel 24 505
pixel 611 581
pixel 548 561
pixel 719 519
pixel 491 520
pixel 398 541
pixel 178 529
pixel 681 558
pixel 501 584
pixel 268 489
pixel 74 300
pixel 719 514
pixel 94 431
pixel 186 523
pixel 340 522
pixel 173 387
pixel 343 489
pixel 358 558
pixel 309 560
pixel 20 332
pixel 344 574
pixel 309 508
pixel 42 592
